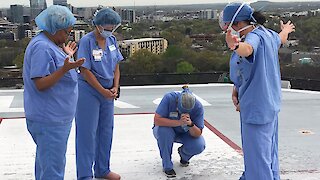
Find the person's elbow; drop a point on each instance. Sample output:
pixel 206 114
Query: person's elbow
pixel 39 85
pixel 156 120
pixel 196 133
pixel 247 51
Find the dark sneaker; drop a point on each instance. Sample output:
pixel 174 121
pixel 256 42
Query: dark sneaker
pixel 170 173
pixel 183 163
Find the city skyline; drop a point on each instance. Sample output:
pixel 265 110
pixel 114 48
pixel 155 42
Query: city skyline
pixel 92 3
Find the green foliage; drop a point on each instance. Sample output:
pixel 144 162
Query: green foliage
pixel 141 62
pixel 173 37
pixel 185 67
pixel 19 60
pixel 12 52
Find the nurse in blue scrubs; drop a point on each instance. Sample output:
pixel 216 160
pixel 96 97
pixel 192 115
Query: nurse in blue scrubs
pixel 51 90
pixel 179 118
pixel 98 87
pixel 255 71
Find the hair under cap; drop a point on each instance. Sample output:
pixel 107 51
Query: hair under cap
pixel 106 16
pixel 55 18
pixel 244 14
pixel 186 101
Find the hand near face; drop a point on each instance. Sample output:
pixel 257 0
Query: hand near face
pixel 232 40
pixel 185 118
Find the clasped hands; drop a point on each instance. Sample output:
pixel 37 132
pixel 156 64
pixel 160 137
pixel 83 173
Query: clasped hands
pixel 111 93
pixel 185 119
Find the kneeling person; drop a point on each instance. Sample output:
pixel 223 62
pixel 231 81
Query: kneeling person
pixel 179 118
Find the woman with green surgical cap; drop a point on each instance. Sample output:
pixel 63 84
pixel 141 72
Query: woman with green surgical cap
pixel 255 72
pixel 98 88
pixel 51 90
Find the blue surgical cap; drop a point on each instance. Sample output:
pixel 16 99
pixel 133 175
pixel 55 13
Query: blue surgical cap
pixel 244 14
pixel 106 16
pixel 55 18
pixel 186 101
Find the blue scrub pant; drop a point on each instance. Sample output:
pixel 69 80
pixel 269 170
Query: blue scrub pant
pixel 51 141
pixel 166 136
pixel 260 149
pixel 94 132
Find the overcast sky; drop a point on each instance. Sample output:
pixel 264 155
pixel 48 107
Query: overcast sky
pixel 89 3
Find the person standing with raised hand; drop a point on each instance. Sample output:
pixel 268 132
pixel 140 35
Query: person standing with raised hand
pixel 51 90
pixel 255 72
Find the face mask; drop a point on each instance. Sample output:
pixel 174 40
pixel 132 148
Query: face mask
pixel 104 33
pixel 234 32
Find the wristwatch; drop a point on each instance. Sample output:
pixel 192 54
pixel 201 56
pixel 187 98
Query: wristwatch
pixel 237 46
pixel 191 125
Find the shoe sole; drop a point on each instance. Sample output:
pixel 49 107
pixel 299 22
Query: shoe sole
pixel 170 176
pixel 184 165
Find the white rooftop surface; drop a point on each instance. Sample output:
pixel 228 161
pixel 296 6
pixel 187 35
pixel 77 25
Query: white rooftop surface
pixel 135 154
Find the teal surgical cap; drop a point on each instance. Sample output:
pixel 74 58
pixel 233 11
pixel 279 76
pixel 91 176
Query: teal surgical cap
pixel 106 16
pixel 55 18
pixel 244 14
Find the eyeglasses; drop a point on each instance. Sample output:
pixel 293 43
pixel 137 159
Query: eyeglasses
pixel 111 28
pixel 67 33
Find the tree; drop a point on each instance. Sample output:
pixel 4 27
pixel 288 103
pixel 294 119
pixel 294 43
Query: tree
pixel 18 61
pixel 141 62
pixel 185 67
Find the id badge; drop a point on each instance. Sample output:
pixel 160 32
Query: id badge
pixel 97 54
pixel 112 47
pixel 173 114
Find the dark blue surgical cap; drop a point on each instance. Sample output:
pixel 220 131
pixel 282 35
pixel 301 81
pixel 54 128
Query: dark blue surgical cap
pixel 55 18
pixel 106 16
pixel 244 14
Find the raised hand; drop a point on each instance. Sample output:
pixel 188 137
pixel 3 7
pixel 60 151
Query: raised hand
pixel 70 48
pixel 232 40
pixel 288 27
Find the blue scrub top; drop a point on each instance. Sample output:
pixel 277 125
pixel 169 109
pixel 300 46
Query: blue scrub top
pixel 257 77
pixel 58 103
pixel 168 109
pixel 103 68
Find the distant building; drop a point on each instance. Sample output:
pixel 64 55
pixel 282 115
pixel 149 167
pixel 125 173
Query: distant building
pixel 202 37
pixel 304 57
pixel 208 14
pixel 154 45
pixel 16 13
pixel 26 19
pixel 37 6
pixel 22 30
pixel 77 35
pixel 8 36
pixel 84 13
pixel 8 30
pixel 128 15
pixel 60 2
pixel 32 33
